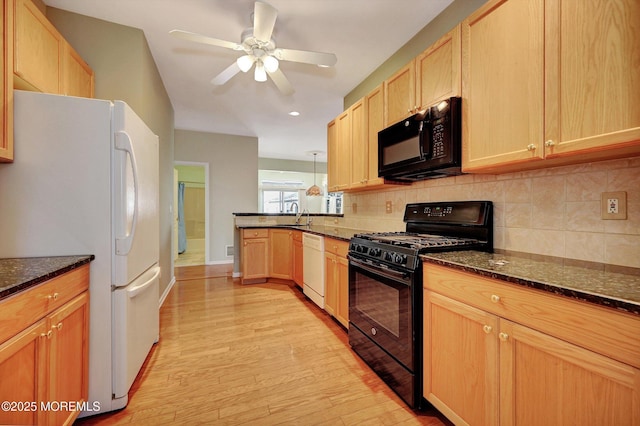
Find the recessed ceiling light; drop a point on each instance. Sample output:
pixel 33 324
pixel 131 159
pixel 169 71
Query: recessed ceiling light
pixel 294 113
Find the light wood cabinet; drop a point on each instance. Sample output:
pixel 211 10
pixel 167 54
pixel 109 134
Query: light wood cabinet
pixel 438 70
pixel 332 156
pixel 432 76
pixel 400 94
pixel 46 362
pixel 339 153
pixel 495 353
pixel 298 276
pixel 6 82
pixel 77 76
pixel 359 146
pixel 542 80
pixel 43 60
pixel 38 47
pixel 337 280
pixel 374 103
pixel 281 253
pixel 255 255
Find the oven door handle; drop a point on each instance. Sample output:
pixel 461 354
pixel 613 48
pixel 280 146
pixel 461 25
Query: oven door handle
pixel 384 271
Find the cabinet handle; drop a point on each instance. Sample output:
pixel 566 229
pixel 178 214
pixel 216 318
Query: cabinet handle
pixel 255 234
pixel 53 296
pixel 47 334
pixel 503 336
pixel 531 147
pixel 549 143
pixel 487 328
pixel 495 298
pixel 59 326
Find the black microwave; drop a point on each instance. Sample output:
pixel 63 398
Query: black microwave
pixel 426 145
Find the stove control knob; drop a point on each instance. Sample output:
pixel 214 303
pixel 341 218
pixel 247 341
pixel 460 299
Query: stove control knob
pixel 375 252
pixel 400 259
pixel 388 257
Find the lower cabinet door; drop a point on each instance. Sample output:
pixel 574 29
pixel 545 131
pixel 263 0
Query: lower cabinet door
pixel 547 381
pixel 69 358
pixel 23 371
pixel 460 360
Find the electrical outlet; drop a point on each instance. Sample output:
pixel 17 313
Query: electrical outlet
pixel 614 205
pixel 388 208
pixel 354 208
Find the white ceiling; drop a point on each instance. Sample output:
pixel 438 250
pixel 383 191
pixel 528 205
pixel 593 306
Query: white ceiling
pixel 362 34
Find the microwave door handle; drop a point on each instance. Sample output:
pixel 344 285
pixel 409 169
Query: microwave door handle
pixel 425 139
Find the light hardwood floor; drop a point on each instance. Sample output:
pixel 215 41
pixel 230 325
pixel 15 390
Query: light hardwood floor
pixel 257 354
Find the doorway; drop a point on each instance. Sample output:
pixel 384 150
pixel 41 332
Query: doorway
pixel 191 213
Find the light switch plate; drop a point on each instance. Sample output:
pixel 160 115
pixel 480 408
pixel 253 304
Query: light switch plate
pixel 613 205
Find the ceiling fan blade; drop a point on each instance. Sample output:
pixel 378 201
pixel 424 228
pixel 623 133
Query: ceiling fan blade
pixel 264 19
pixel 198 38
pixel 281 82
pixel 226 75
pixel 306 57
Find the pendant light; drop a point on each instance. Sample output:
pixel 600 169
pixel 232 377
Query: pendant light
pixel 315 189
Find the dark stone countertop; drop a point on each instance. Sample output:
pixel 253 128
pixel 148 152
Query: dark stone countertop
pixel 344 234
pixel 18 274
pixel 605 285
pixel 289 214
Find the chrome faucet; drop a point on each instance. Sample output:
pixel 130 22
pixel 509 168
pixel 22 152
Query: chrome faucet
pixel 299 215
pixel 308 218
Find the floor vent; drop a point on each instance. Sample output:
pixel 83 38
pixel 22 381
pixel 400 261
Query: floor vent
pixel 229 250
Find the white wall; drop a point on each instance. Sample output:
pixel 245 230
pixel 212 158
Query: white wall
pixel 233 174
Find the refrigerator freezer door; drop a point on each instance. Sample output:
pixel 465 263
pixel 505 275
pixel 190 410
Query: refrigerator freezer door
pixel 135 328
pixel 136 198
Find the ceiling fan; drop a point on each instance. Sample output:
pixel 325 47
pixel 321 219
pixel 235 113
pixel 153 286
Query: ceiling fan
pixel 260 49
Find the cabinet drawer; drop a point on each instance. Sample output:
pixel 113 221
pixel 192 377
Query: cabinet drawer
pixel 600 329
pixel 255 233
pixel 25 308
pixel 337 247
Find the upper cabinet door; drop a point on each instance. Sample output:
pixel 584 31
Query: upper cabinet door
pixel 77 76
pixel 37 48
pixel 438 70
pixel 399 90
pixel 6 82
pixel 592 75
pixel 502 84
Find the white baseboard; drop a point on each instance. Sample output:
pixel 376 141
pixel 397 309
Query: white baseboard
pixel 219 262
pixel 167 290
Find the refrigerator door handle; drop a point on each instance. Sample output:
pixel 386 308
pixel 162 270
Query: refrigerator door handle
pixel 133 292
pixel 123 143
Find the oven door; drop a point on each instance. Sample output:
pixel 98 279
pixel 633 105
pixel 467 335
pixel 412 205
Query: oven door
pixel 381 308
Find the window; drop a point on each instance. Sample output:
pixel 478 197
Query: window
pixel 279 201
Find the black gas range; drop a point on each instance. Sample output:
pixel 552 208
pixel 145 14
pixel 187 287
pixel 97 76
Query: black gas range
pixel 385 286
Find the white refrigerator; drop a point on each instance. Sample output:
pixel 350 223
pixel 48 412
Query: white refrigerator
pixel 85 181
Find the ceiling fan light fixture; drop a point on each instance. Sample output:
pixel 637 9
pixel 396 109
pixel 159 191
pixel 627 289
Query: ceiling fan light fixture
pixel 270 63
pixel 245 62
pixel 260 74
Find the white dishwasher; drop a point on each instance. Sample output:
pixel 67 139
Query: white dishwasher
pixel 313 267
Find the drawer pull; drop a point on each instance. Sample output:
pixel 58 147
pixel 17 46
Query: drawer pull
pixel 495 298
pixel 503 336
pixel 47 334
pixel 487 328
pixel 549 143
pixel 53 296
pixel 59 326
pixel 531 147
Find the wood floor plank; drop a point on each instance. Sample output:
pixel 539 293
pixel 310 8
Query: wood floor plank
pixel 261 354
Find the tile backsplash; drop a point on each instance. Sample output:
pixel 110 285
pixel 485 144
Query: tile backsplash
pixel 554 212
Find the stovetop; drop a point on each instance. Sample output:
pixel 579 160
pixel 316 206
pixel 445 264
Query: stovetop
pixel 431 227
pixel 419 242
